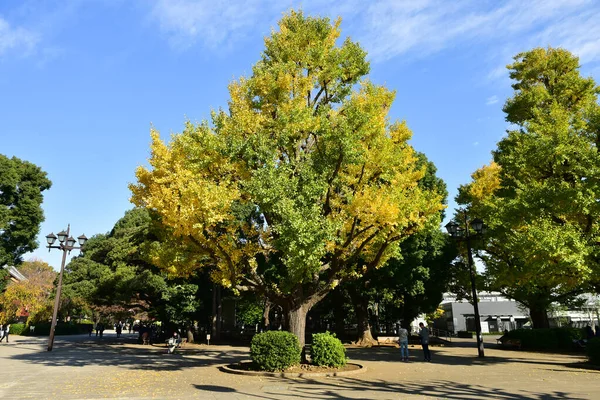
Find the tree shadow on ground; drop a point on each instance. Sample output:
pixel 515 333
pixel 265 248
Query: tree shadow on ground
pixel 132 356
pixel 343 388
pixel 441 356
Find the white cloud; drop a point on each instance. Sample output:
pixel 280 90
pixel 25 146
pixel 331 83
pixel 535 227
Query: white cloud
pixel 491 100
pixel 400 29
pixel 16 39
pixel 211 22
pixel 419 28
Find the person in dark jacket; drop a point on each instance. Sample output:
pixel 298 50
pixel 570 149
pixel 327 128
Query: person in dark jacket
pixel 424 335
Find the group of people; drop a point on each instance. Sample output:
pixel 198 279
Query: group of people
pixel 100 329
pixel 4 331
pixel 423 336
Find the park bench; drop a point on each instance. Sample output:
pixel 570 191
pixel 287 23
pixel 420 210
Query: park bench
pixel 506 342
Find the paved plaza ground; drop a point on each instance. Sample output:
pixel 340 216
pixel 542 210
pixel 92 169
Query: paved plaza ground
pixel 82 367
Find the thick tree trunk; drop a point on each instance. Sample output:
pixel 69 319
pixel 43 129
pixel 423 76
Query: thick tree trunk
pixel 190 334
pixel 363 326
pixel 539 317
pixel 365 338
pixel 296 320
pixel 265 319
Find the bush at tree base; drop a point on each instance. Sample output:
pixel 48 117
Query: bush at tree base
pixel 547 338
pixel 327 350
pixel 592 349
pixel 275 350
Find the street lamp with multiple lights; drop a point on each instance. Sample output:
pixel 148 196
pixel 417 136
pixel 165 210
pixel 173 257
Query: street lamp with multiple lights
pixel 461 233
pixel 66 244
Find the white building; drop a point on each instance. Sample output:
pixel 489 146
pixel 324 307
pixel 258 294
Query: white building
pixel 498 313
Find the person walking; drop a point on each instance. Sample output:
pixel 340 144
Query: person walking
pixel 6 330
pixel 424 335
pixel 119 329
pixel 403 341
pixel 1 332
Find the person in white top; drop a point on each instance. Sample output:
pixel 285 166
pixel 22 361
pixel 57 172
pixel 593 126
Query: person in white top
pixel 403 341
pixel 5 333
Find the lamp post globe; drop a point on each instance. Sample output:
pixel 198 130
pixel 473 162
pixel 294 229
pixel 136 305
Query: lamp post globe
pixel 51 238
pixel 82 239
pixel 477 225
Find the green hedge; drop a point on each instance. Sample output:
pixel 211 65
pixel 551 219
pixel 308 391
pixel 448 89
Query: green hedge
pixel 275 350
pixel 327 350
pixel 592 349
pixel 43 329
pixel 546 339
pixel 17 329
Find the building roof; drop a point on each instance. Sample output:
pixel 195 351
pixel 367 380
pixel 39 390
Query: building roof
pixel 14 273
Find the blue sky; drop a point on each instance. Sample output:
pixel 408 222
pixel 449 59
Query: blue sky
pixel 82 81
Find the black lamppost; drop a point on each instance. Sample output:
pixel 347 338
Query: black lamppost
pixel 66 244
pixel 462 233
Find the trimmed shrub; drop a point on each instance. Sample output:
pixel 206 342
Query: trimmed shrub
pixel 17 329
pixel 275 350
pixel 546 339
pixel 593 350
pixel 327 350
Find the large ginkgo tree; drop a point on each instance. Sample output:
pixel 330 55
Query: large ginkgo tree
pixel 301 182
pixel 540 197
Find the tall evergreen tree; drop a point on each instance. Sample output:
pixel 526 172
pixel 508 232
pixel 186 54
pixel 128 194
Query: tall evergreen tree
pixel 21 187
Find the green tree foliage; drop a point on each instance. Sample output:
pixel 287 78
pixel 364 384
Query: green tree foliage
pixel 300 178
pixel 4 279
pixel 115 275
pixel 21 187
pixel 249 311
pixel 412 282
pixel 540 195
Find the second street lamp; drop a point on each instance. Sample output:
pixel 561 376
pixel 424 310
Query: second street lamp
pixel 463 233
pixel 66 244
